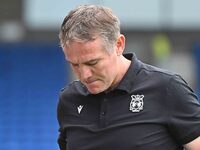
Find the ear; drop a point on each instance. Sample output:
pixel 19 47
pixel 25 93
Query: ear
pixel 120 44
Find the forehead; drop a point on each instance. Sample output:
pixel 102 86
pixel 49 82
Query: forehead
pixel 78 52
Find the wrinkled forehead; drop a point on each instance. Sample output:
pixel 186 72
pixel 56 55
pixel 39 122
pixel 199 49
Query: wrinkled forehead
pixel 84 51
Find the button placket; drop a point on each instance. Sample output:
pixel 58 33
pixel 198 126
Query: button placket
pixel 103 113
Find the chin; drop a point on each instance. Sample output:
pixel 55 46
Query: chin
pixel 96 87
pixel 96 90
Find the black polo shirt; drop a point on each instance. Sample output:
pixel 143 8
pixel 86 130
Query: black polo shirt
pixel 151 109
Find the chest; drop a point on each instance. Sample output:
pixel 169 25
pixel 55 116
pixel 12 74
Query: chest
pixel 118 121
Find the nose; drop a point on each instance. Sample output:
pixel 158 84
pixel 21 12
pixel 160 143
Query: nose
pixel 85 72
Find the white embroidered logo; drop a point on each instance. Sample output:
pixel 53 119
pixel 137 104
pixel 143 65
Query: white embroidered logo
pixel 79 108
pixel 136 104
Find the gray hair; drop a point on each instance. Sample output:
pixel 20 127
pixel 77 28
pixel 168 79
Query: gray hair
pixel 87 22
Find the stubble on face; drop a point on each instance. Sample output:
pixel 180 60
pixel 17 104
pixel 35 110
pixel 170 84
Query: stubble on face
pixel 102 74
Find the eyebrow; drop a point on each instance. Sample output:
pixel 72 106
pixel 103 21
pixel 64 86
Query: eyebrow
pixel 86 62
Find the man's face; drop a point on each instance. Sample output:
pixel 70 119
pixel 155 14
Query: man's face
pixel 95 67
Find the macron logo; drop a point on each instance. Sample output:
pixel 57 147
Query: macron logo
pixel 80 108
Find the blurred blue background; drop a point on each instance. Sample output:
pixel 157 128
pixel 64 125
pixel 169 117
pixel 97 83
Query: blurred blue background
pixel 33 69
pixel 31 76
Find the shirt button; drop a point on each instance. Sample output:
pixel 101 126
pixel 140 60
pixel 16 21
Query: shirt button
pixel 102 113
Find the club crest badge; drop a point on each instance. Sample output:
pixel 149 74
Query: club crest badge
pixel 136 104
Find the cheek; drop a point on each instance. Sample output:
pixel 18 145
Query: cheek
pixel 105 72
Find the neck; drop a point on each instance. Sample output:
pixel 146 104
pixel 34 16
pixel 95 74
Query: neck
pixel 122 69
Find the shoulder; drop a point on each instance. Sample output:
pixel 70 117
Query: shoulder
pixel 70 96
pixel 73 89
pixel 156 71
pixel 152 75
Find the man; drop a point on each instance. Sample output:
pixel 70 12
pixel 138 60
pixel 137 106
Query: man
pixel 120 103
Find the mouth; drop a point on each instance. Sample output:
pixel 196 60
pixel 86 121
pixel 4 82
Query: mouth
pixel 90 82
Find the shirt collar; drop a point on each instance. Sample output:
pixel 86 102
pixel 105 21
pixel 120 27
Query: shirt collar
pixel 127 82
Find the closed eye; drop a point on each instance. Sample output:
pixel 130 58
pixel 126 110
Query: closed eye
pixel 74 65
pixel 92 62
pixel 88 63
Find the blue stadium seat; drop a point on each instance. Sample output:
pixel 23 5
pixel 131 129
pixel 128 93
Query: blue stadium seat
pixel 31 75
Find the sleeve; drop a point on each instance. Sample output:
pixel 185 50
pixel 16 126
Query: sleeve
pixel 183 111
pixel 62 142
pixel 62 136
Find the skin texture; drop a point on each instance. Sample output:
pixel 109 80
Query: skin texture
pixel 97 68
pixel 194 145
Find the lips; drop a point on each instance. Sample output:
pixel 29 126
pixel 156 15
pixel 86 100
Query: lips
pixel 89 81
pixel 92 83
